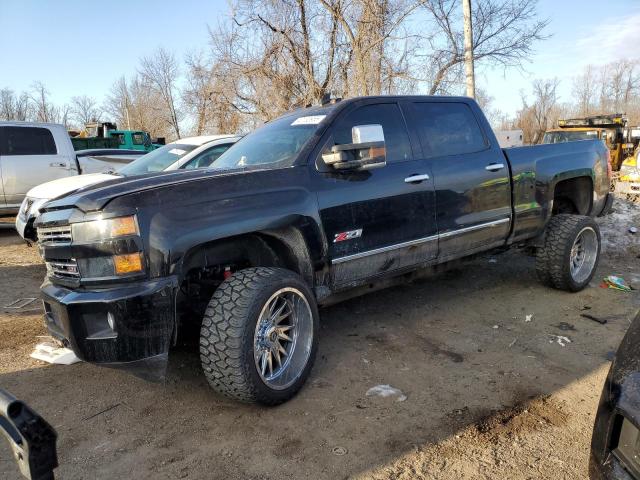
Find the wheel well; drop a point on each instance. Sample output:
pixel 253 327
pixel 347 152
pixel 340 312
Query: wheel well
pixel 206 266
pixel 573 195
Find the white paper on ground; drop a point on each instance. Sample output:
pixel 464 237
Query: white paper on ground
pixel 53 354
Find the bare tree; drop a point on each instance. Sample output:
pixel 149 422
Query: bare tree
pixel 63 115
pixel 135 105
pixel 44 110
pixel 118 103
pixel 13 106
pixel 537 116
pixel 585 91
pixel 160 72
pixel 504 33
pixel 84 109
pixel 607 89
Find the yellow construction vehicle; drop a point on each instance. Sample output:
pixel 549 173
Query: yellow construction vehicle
pixel 611 129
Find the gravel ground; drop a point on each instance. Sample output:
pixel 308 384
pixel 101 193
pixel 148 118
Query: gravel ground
pixel 492 389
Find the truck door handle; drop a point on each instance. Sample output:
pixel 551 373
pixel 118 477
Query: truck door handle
pixel 58 164
pixel 493 167
pixel 416 178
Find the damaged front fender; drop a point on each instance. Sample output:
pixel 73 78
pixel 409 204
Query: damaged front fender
pixel 128 327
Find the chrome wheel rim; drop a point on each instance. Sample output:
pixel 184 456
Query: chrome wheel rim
pixel 283 338
pixel 584 254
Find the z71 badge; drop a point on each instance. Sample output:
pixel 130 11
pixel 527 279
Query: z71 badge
pixel 350 235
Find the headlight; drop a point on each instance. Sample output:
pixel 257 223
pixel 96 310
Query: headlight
pixel 30 207
pixel 119 263
pixel 104 229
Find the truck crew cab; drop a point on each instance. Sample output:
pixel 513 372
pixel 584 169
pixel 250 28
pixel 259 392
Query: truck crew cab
pixel 320 204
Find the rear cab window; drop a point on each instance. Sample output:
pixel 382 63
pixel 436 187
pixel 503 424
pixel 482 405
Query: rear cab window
pixel 448 128
pixel 27 141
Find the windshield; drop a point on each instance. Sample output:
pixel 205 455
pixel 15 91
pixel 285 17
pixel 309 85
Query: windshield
pixel 569 136
pixel 275 145
pixel 157 160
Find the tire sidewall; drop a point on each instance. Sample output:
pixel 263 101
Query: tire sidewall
pixel 263 393
pixel 573 285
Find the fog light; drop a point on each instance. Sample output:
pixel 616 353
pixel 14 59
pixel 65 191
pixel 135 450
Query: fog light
pixel 111 321
pixel 130 263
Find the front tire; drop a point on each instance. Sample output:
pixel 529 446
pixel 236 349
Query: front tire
pixel 571 251
pixel 258 338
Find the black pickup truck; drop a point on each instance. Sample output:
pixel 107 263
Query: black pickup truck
pixel 320 204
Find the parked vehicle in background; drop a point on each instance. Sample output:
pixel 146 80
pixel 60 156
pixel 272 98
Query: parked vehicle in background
pixel 186 153
pixel 616 433
pixel 34 153
pixel 629 180
pixel 107 135
pixel 509 138
pixel 611 129
pixel 318 205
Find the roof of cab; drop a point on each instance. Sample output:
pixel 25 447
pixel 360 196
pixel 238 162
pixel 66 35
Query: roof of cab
pixel 202 139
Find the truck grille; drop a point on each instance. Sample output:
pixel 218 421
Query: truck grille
pixel 55 235
pixel 67 268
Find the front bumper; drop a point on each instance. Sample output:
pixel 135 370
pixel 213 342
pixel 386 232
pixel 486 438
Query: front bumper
pixel 129 327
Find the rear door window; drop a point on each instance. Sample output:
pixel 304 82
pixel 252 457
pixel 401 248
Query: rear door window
pixel 448 129
pixel 27 141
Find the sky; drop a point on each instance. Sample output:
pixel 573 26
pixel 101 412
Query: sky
pixel 78 47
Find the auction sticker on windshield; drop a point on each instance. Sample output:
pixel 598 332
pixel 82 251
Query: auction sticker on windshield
pixel 310 120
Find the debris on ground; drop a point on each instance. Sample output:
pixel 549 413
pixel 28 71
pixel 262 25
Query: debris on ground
pixel 564 326
pixel 20 303
pixel 339 451
pixel 51 353
pixel 633 230
pixel 386 391
pixel 496 327
pixel 616 283
pixel 105 410
pixel 528 317
pixel 560 340
pixel 601 321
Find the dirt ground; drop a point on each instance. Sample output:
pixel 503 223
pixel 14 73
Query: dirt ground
pixel 490 392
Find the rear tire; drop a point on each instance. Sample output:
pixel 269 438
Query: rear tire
pixel 259 336
pixel 571 251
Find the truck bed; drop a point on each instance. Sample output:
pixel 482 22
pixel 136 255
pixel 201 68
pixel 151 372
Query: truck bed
pixel 535 173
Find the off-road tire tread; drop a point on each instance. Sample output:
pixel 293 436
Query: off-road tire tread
pixel 223 335
pixel 551 258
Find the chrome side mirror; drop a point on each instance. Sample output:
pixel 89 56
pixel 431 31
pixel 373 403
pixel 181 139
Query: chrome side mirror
pixel 366 152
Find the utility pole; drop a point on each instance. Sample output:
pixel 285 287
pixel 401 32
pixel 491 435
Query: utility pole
pixel 468 49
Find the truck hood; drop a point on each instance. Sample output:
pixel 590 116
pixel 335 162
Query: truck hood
pixel 62 186
pixel 96 196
